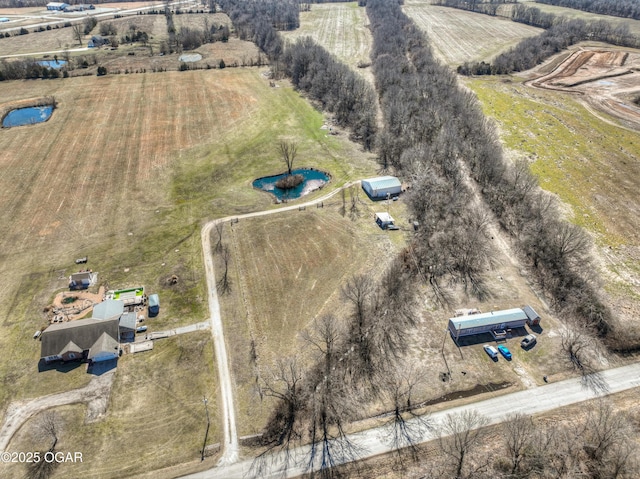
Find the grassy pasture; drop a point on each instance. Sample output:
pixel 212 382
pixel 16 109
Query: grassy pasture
pixel 286 270
pixel 125 171
pixel 156 415
pixel 457 36
pixel 49 40
pixel 341 28
pixel 591 164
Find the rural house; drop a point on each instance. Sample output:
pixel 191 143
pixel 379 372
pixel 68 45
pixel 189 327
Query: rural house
pixel 86 339
pixel 492 322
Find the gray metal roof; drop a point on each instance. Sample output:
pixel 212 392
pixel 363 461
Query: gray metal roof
pixel 83 333
pixel 488 319
pixel 104 344
pixel 128 321
pixel 109 308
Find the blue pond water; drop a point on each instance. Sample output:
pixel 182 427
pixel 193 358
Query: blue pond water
pixel 27 116
pixel 52 63
pixel 313 179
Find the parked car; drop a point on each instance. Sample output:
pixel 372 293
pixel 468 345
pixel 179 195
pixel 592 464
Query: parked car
pixel 141 329
pixel 491 351
pixel 528 341
pixel 504 351
pixel 82 260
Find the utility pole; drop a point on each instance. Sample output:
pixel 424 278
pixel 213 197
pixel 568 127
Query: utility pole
pixel 206 434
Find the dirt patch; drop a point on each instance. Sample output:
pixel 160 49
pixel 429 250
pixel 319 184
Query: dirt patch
pixel 606 79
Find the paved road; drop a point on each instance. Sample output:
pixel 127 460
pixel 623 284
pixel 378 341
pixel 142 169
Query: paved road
pixel 230 444
pixel 531 401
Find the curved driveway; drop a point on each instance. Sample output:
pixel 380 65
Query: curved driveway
pixel 230 446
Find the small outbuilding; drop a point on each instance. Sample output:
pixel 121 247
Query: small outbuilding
pixel 533 319
pixel 384 220
pixel 82 280
pixel 154 305
pixel 382 187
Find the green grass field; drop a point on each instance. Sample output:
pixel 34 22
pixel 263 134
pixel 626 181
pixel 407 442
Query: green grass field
pixel 588 162
pixel 126 172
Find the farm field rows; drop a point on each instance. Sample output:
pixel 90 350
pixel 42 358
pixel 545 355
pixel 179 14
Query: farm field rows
pixel 458 36
pixel 634 25
pixel 341 28
pixel 125 172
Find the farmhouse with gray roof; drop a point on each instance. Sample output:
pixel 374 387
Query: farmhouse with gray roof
pixel 91 339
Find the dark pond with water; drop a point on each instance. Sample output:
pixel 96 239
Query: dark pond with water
pixel 313 179
pixel 27 116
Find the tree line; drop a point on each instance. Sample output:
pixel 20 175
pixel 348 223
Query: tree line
pixel 617 8
pixel 335 86
pixel 433 131
pixel 488 7
pixel 560 33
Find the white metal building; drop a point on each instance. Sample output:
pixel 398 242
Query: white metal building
pixel 488 322
pixel 382 187
pixel 57 6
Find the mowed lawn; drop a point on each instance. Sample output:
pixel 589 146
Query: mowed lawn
pixel 588 162
pixel 126 171
pixel 286 270
pixel 459 36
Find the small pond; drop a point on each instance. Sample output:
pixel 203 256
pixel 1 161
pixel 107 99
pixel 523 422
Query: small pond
pixel 313 180
pixel 55 64
pixel 27 116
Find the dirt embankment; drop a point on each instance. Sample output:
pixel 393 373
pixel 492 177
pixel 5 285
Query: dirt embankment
pixel 606 79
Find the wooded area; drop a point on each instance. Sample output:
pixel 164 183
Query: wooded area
pixel 618 8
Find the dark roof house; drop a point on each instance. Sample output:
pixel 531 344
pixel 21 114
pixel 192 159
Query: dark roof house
pixel 91 339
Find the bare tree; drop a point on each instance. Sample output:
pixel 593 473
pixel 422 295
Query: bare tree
pixel 78 31
pixel 288 149
pixel 46 428
pixel 518 438
pixel 406 427
pixel 459 435
pixel 224 284
pixel 354 212
pixel 283 433
pixel 219 230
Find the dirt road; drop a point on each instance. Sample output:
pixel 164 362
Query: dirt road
pixel 230 445
pixel 96 394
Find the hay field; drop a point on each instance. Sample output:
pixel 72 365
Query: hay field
pixel 286 270
pixel 589 162
pixel 458 36
pixel 341 28
pixel 125 171
pixel 634 25
pixel 49 40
